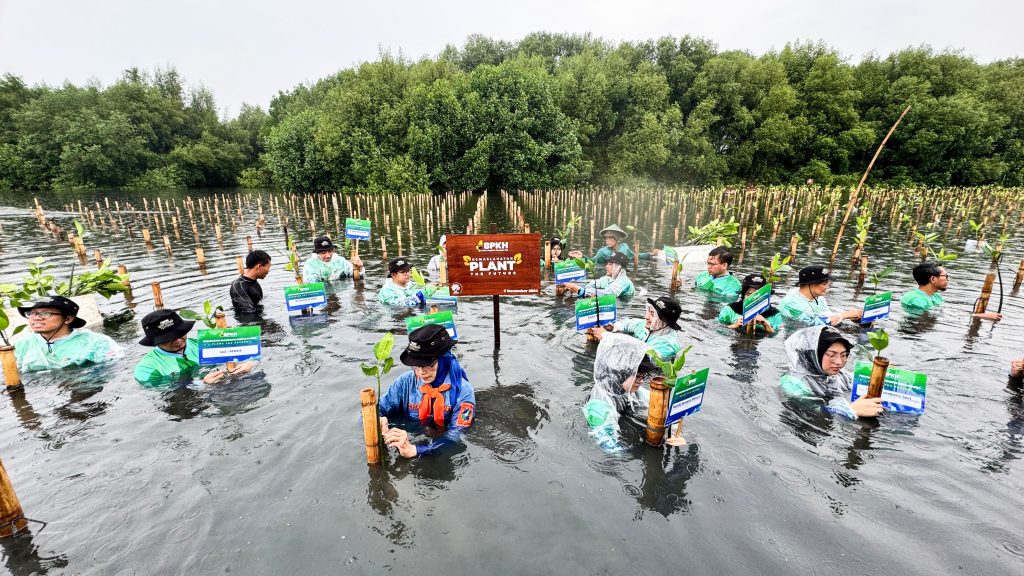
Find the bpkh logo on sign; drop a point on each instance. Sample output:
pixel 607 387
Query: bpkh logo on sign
pixel 482 246
pixel 493 266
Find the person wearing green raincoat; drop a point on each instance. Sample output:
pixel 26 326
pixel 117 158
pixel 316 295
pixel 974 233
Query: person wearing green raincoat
pixel 658 329
pixel 768 321
pixel 614 241
pixel 806 302
pixel 57 339
pixel 174 356
pixel 817 355
pixel 620 370
pixel 399 289
pixel 717 279
pixel 614 282
pixel 325 266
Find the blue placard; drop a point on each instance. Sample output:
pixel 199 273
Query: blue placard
pixel 236 344
pixel 687 395
pixel 757 302
pixel 441 297
pixel 902 390
pixel 357 229
pixel 312 295
pixel 444 318
pixel 591 312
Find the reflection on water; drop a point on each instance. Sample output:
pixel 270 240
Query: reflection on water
pixel 22 557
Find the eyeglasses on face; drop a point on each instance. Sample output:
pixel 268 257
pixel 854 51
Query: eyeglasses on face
pixel 41 314
pixel 840 356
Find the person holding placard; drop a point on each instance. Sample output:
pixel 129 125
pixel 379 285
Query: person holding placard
pixel 614 242
pixel 325 266
pixel 817 356
pixel 768 321
pixel 615 282
pixel 434 266
pixel 717 279
pixel 399 289
pixel 57 339
pixel 436 393
pixel 806 302
pixel 658 329
pixel 246 293
pixel 174 355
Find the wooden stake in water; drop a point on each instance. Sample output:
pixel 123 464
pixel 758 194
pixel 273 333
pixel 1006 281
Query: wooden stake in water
pixel 201 258
pixel 239 263
pixel 12 518
pixel 158 296
pixel 1020 276
pixel 986 293
pixel 12 378
pixel 371 425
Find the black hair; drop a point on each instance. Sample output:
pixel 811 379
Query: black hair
pixel 256 258
pixel 723 255
pixel 924 271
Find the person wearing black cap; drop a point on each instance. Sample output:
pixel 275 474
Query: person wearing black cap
pixel 399 289
pixel 806 302
pixel 614 242
pixel 768 321
pixel 436 393
pixel 246 293
pixel 325 266
pixel 56 339
pixel 817 355
pixel 174 355
pixel 615 282
pixel 658 329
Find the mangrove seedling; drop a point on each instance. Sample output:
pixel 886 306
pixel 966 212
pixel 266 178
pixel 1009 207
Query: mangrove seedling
pixel 672 369
pixel 421 281
pixel 877 277
pixel 208 317
pixel 879 340
pixel 777 266
pixel 574 220
pixel 382 364
pixel 5 323
pixel 716 231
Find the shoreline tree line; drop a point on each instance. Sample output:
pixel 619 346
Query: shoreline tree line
pixel 548 111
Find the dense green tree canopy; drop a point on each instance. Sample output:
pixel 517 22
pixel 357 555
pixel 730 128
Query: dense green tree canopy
pixel 550 110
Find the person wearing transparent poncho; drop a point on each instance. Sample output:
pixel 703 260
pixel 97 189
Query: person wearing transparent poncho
pixel 620 368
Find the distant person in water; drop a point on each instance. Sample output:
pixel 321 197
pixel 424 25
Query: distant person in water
pixel 768 321
pixel 614 241
pixel 174 355
pixel 439 259
pixel 558 250
pixel 57 339
pixel 399 289
pixel 246 293
pixel 817 356
pixel 326 266
pixel 436 392
pixel 806 302
pixel 615 281
pixel 1017 372
pixel 659 329
pixel 932 279
pixel 717 279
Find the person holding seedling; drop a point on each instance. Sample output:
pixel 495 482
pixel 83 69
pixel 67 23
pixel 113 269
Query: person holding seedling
pixel 246 293
pixel 717 279
pixel 806 302
pixel 658 328
pixel 434 266
pixel 174 355
pixel 614 242
pixel 768 321
pixel 615 282
pixel 436 393
pixel 817 355
pixel 57 339
pixel 399 289
pixel 325 266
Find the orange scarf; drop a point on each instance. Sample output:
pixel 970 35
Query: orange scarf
pixel 429 395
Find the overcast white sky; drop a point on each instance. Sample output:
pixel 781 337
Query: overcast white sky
pixel 245 51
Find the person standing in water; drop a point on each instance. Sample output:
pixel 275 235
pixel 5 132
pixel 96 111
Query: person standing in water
pixel 717 279
pixel 614 242
pixel 768 321
pixel 614 282
pixel 806 302
pixel 246 293
pixel 58 340
pixel 325 266
pixel 658 329
pixel 174 355
pixel 439 259
pixel 399 289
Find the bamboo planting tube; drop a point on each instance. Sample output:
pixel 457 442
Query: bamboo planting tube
pixel 368 400
pixel 10 367
pixel 879 366
pixel 158 296
pixel 547 255
pixel 863 270
pixel 238 262
pixel 98 256
pixel 636 253
pixel 167 245
pixel 201 257
pixel 355 269
pixel 248 241
pixel 1020 274
pixel 986 293
pixel 12 518
pixel 657 411
pixel 793 242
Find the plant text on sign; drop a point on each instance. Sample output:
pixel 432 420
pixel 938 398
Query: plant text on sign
pixel 493 264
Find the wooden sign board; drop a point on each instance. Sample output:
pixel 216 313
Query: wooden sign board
pixel 493 264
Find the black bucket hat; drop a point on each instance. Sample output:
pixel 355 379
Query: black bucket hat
pixel 755 281
pixel 162 326
pixel 426 345
pixel 620 259
pixel 66 306
pixel 813 275
pixel 398 265
pixel 323 244
pixel 668 310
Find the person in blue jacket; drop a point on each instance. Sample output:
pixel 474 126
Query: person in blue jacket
pixel 436 392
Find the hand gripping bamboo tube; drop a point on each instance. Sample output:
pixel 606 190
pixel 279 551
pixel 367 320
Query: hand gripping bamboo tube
pixel 657 411
pixel 368 400
pixel 879 366
pixel 10 367
pixel 158 296
pixel 12 518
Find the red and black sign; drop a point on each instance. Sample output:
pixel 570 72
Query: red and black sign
pixel 493 264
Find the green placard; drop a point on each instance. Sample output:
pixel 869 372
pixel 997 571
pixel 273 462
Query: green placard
pixel 568 271
pixel 444 318
pixel 757 302
pixel 687 395
pixel 591 312
pixel 357 229
pixel 670 254
pixel 305 296
pixel 235 344
pixel 876 307
pixel 902 390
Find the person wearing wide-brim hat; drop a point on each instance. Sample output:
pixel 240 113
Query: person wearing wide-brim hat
pixel 326 266
pixel 436 393
pixel 659 328
pixel 399 289
pixel 806 302
pixel 768 321
pixel 57 338
pixel 174 355
pixel 614 241
pixel 616 281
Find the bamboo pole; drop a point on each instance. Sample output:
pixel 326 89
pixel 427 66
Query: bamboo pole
pixel 98 256
pixel 122 270
pixel 879 366
pixel 147 237
pixel 986 293
pixel 1020 275
pixel 355 269
pixel 167 245
pixel 12 518
pixel 241 266
pixel 158 296
pixel 12 378
pixel 863 270
pixel 657 410
pixel 201 258
pixel 371 425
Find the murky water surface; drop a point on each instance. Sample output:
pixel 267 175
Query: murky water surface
pixel 267 474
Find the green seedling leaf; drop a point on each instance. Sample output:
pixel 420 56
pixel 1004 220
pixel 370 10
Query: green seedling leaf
pixel 389 363
pixel 382 349
pixel 418 278
pixel 368 369
pixel 681 360
pixel 879 340
pixel 18 329
pixel 189 314
pixel 207 307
